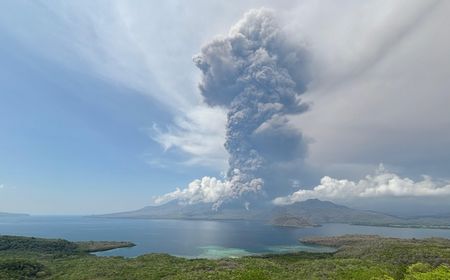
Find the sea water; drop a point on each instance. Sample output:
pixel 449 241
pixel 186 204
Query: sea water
pixel 193 238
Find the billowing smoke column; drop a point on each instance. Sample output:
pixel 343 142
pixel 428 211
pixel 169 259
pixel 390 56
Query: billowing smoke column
pixel 258 75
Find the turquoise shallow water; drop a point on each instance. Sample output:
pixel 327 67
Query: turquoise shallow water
pixel 218 252
pixel 193 239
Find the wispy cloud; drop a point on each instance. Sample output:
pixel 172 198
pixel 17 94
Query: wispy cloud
pixel 124 44
pixel 381 73
pixel 200 133
pixel 381 184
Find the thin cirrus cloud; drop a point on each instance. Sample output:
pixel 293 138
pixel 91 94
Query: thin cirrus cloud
pixel 128 44
pixel 382 184
pixel 199 133
pixel 123 44
pixel 383 78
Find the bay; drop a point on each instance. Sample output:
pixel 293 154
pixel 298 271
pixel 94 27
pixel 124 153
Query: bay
pixel 193 238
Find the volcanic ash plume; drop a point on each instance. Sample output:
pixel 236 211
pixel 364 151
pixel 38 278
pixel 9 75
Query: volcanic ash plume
pixel 257 74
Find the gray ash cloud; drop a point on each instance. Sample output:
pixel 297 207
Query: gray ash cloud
pixel 258 74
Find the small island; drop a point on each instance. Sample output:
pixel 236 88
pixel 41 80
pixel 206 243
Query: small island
pixel 292 221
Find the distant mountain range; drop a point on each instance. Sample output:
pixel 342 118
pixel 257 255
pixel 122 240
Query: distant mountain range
pixel 311 212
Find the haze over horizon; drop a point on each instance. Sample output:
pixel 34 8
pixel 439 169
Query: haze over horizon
pixel 111 106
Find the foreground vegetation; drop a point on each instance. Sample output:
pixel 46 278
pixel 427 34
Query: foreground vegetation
pixel 357 257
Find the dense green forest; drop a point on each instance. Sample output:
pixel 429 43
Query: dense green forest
pixel 356 257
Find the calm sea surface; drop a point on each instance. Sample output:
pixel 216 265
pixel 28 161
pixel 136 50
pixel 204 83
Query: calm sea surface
pixel 210 239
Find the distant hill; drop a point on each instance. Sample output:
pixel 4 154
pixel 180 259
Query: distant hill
pixel 201 211
pixel 4 214
pixel 320 212
pixel 291 221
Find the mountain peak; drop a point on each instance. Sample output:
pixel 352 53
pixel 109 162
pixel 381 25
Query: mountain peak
pixel 314 202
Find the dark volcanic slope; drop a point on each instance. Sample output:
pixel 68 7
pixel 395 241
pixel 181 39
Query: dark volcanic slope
pixel 175 210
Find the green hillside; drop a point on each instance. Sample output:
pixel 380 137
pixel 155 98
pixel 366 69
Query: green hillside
pixel 357 257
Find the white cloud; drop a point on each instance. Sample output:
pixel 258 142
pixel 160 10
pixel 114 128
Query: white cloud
pixel 381 184
pixel 200 133
pixel 211 190
pixel 2 186
pixel 206 190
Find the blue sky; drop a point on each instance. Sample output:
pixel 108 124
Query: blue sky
pixel 68 134
pixel 74 142
pixel 100 109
